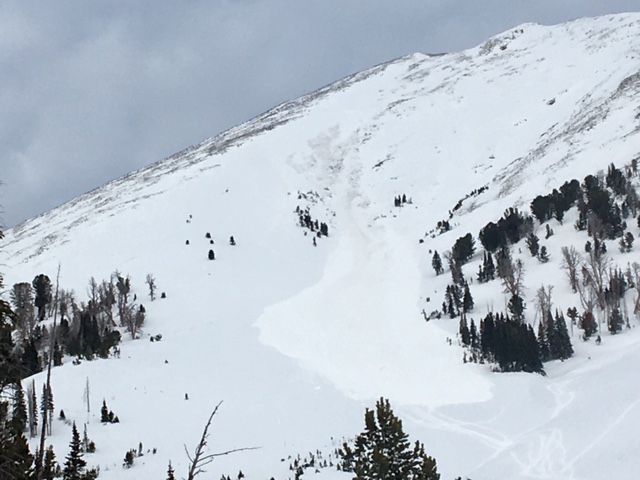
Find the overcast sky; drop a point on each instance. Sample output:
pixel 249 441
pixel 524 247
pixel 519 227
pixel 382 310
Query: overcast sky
pixel 90 91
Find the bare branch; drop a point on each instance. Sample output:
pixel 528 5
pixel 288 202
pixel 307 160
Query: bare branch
pixel 200 460
pixel 570 262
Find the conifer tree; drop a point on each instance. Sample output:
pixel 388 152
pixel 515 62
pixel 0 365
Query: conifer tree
pixel 516 307
pixel 19 414
pixel 489 268
pixel 616 321
pixel 170 473
pixel 32 409
pixel 588 324
pixel 46 402
pixel 43 297
pixel 565 349
pixel 57 355
pixel 383 450
pixel 455 267
pixel 555 347
pixel 50 469
pixel 467 301
pixel 543 256
pixel 543 342
pixel 16 462
pixel 463 249
pixel 74 466
pixel 104 412
pixel 465 336
pixel 436 263
pixel 473 335
pixel 533 244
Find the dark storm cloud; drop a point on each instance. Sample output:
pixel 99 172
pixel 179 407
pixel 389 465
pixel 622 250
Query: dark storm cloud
pixel 90 91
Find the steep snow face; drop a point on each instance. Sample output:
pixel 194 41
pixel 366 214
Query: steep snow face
pixel 341 324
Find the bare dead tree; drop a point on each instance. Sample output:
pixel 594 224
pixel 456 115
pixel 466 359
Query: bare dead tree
pixel 513 279
pixel 151 282
pixel 132 319
pixel 543 300
pixel 46 414
pixel 123 288
pixel 25 316
pixel 595 227
pixel 571 259
pixel 107 299
pixel 635 269
pixel 92 292
pixel 594 272
pixel 200 459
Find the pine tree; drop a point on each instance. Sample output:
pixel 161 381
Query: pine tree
pixel 19 414
pixel 543 256
pixel 46 403
pixel 104 413
pixel 57 355
pixel 553 339
pixel 32 409
pixel 516 307
pixel 489 268
pixel 588 325
pixel 467 301
pixel 465 336
pixel 74 466
pixel 129 458
pixel 463 249
pixel 616 321
pixel 43 297
pixel 50 469
pixel 436 263
pixel 455 268
pixel 170 473
pixel 473 335
pixel 533 244
pixel 383 450
pixel 543 342
pixel 16 462
pixel 565 349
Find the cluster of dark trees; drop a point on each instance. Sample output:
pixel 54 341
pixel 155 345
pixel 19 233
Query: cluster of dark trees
pixel 28 343
pixel 19 414
pixel 84 329
pixel 443 226
pixel 603 202
pixel 401 200
pixel 511 344
pixel 557 203
pixel 211 255
pixel 106 415
pixel 553 338
pixel 305 220
pixel 508 230
pixel 473 193
pixel 457 300
pixel 486 271
pixel 596 199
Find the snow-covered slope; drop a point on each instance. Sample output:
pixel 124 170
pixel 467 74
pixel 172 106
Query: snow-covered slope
pixel 298 339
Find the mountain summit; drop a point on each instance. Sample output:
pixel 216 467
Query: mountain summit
pixel 318 306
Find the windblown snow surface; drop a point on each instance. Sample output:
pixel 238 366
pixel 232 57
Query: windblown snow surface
pixel 298 340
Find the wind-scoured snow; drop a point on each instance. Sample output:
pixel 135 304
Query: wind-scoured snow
pixel 297 340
